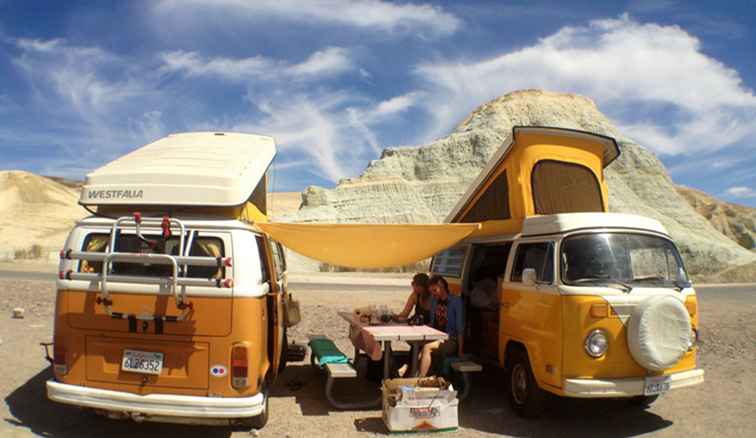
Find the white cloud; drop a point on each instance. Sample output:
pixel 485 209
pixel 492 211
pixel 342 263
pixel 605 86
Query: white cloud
pixel 328 62
pixel 193 64
pixel 95 104
pixel 370 14
pixel 76 73
pixel 310 125
pixel 622 64
pixel 741 192
pixel 395 105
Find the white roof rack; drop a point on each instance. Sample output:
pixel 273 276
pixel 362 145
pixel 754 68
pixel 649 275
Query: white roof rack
pixel 189 169
pixel 563 222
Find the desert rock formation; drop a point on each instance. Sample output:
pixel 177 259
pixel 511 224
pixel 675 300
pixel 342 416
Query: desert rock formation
pixel 421 184
pixel 735 221
pixel 35 210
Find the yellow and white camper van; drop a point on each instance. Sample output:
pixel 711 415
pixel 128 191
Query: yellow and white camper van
pixel 567 298
pixel 171 304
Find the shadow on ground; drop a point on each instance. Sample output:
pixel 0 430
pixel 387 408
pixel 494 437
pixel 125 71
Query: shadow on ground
pixel 306 384
pixel 30 408
pixel 486 410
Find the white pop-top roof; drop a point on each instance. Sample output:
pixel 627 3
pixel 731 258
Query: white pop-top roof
pixel 192 169
pixel 560 223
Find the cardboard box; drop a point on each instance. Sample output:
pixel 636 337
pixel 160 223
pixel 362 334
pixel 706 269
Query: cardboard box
pixel 419 405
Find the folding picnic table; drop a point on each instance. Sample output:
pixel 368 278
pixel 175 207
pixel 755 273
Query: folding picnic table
pixel 371 337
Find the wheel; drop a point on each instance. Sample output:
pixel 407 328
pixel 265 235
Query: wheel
pixel 259 421
pixel 526 398
pixel 643 401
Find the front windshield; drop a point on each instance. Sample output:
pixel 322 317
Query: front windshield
pixel 631 260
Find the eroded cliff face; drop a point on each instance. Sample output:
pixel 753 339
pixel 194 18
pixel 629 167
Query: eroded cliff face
pixel 421 184
pixel 735 221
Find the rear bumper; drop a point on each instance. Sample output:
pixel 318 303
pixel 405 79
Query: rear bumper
pixel 606 388
pixel 156 405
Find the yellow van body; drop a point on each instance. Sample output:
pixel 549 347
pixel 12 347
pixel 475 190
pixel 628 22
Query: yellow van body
pixel 545 325
pixel 174 312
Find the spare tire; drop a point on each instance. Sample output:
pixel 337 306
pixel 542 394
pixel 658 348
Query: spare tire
pixel 659 332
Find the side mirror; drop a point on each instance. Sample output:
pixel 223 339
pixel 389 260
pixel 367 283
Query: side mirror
pixel 529 277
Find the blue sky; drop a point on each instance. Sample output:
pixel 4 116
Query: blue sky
pixel 335 81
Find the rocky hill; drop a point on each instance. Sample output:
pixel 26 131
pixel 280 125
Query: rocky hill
pixel 735 221
pixel 36 214
pixel 420 184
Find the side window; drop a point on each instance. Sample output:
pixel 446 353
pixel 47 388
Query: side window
pixel 492 204
pixel 449 263
pixel 538 256
pixel 278 257
pixel 263 259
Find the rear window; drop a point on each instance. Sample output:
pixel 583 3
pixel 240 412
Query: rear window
pixel 449 263
pixel 202 246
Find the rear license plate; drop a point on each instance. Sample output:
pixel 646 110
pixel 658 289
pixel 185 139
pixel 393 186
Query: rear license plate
pixel 142 362
pixel 656 385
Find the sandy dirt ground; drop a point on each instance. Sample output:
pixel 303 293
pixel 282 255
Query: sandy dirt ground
pixel 723 406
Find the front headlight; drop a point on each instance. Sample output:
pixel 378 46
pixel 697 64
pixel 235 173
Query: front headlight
pixel 596 343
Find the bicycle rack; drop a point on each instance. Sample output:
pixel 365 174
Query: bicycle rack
pixel 176 284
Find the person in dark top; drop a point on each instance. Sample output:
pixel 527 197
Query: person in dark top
pixel 419 300
pixel 447 315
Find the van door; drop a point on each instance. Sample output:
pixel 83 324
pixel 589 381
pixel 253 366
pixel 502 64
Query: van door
pixel 274 274
pixel 488 263
pixel 532 315
pixel 280 288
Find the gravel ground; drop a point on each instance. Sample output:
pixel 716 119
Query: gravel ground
pixel 723 406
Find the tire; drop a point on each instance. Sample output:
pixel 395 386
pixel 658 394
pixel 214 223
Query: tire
pixel 528 400
pixel 259 421
pixel 643 401
pixel 659 333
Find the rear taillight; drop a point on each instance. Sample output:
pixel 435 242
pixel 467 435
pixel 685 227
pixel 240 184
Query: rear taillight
pixel 239 367
pixel 59 356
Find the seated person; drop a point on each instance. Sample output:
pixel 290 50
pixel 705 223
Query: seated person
pixel 419 300
pixel 447 315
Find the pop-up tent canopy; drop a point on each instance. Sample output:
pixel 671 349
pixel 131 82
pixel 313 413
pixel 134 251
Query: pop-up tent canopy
pixel 368 245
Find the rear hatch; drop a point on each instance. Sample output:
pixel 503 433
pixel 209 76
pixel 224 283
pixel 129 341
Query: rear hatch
pixel 144 317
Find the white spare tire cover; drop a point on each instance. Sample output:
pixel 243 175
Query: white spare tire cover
pixel 659 332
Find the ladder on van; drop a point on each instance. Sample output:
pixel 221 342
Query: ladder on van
pixel 176 283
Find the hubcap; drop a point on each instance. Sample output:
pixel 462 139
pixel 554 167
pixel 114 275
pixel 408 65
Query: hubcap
pixel 519 384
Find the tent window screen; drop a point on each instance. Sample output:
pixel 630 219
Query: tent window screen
pixel 560 187
pixel 449 263
pixel 493 203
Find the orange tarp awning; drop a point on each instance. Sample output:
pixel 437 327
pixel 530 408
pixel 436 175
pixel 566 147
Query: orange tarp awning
pixel 368 245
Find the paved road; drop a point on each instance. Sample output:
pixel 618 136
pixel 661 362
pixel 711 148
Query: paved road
pixel 745 294
pixel 293 286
